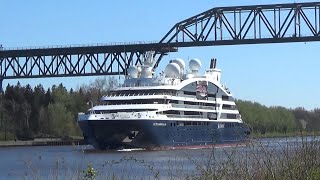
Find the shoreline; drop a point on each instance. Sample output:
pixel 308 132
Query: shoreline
pixel 42 142
pixel 255 135
pixel 80 141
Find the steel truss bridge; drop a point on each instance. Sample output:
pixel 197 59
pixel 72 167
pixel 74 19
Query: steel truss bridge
pixel 276 23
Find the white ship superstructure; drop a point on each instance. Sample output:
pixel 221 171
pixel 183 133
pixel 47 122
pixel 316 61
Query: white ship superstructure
pixel 145 105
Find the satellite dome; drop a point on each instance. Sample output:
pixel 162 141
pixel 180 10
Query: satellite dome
pixel 172 70
pixel 195 64
pixel 180 62
pixel 132 72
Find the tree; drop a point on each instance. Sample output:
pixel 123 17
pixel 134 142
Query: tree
pixel 264 119
pixel 99 87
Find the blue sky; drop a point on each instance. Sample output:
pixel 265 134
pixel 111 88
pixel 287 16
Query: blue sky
pixel 272 74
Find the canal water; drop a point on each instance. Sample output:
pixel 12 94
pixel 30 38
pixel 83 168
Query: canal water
pixel 71 162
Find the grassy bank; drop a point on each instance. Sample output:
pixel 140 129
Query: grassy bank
pixel 298 158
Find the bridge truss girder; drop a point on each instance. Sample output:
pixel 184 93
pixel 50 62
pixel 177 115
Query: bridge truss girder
pixel 65 65
pixel 277 23
pixel 241 24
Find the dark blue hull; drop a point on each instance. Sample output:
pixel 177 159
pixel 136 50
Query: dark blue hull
pixel 151 134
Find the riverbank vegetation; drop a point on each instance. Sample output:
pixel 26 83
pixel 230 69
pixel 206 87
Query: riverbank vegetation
pixel 292 158
pixel 279 121
pixel 27 113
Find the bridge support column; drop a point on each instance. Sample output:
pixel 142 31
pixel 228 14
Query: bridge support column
pixel 1 81
pixel 1 111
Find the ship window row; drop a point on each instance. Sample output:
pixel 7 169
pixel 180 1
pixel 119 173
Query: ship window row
pixel 192 103
pixel 135 101
pixel 212 107
pixel 228 116
pixel 174 101
pixel 189 114
pixel 193 93
pixel 227 98
pixel 189 123
pixel 185 112
pixel 197 123
pixel 228 107
pixel 230 125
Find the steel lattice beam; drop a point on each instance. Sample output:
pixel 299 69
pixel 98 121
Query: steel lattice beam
pixel 75 61
pixel 249 24
pixel 90 64
pixel 276 23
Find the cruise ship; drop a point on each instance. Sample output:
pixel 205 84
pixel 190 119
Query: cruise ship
pixel 179 108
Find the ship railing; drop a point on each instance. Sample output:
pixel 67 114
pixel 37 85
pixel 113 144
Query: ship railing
pixel 139 94
pixel 136 85
pixel 146 84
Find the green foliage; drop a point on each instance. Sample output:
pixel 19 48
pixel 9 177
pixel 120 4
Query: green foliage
pixel 60 120
pixel 90 173
pixel 295 160
pixel 26 113
pixel 4 136
pixel 264 119
pixel 309 119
